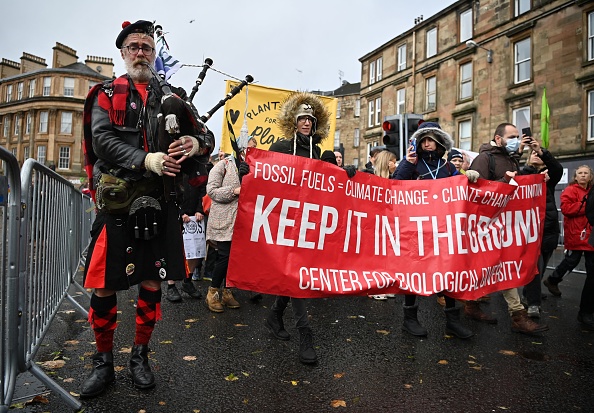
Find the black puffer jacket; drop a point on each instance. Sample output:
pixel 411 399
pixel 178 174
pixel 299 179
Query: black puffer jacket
pixel 303 146
pixel 555 172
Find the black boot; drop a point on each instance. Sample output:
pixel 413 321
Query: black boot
pixel 587 320
pixel 307 353
pixel 453 325
pixel 552 284
pixel 411 323
pixel 101 376
pixel 139 368
pixel 275 324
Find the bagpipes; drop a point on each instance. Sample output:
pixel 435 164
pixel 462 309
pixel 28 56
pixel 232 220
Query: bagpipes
pixel 179 117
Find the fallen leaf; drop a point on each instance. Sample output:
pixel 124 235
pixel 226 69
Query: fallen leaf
pixel 53 364
pixel 71 342
pixel 507 352
pixel 126 350
pixel 476 367
pixel 240 325
pixel 191 320
pixel 245 374
pixel 338 403
pixel 338 375
pixel 442 362
pixel 211 337
pixel 294 382
pixel 74 394
pixel 503 408
pixel 384 332
pixel 231 377
pixel 36 400
pixel 68 380
pixel 472 357
pixel 471 361
pixel 142 411
pixel 408 386
pixel 166 342
pixel 162 403
pixel 536 342
pixel 196 411
pixel 349 340
pixel 189 358
pixel 567 373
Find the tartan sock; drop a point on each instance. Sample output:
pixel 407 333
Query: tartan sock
pixel 148 311
pixel 103 317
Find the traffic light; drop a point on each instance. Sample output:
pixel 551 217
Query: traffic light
pixel 392 135
pixel 411 127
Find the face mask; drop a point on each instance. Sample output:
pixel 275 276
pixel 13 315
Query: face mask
pixel 512 145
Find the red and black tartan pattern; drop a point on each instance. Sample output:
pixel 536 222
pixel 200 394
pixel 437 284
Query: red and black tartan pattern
pixel 148 311
pixel 103 317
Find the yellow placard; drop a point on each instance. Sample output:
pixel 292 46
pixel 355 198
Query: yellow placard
pixel 263 105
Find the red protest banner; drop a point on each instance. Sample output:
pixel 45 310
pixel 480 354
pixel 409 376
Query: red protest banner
pixel 304 229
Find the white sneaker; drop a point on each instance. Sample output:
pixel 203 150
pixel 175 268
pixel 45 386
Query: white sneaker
pixel 534 311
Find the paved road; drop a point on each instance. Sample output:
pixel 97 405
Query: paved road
pixel 366 361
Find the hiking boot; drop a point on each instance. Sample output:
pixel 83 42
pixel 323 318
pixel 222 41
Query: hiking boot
pixel 473 310
pixel 190 289
pixel 102 375
pixel 587 320
pixel 275 324
pixel 228 300
pixel 521 323
pixel 173 294
pixel 213 301
pixel 411 323
pixel 307 353
pixel 453 325
pixel 553 286
pixel 140 370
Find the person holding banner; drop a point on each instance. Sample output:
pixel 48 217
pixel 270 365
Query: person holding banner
pixel 543 162
pixel 425 160
pixel 304 121
pixel 136 236
pixel 576 231
pixel 498 161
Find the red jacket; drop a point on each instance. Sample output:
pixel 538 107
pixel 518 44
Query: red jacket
pixel 573 207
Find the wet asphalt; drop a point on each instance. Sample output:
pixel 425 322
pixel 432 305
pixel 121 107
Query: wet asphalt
pixel 228 362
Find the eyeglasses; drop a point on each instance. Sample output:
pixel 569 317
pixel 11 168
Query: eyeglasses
pixel 304 118
pixel 134 49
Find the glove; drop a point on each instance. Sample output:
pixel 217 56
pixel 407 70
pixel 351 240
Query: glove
pixel 195 145
pixel 472 176
pixel 350 170
pixel 243 170
pixel 154 162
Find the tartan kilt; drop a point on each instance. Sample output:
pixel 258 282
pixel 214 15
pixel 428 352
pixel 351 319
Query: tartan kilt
pixel 116 260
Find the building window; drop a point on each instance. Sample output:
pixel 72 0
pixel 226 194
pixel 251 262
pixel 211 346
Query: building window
pixel 43 121
pixel 64 160
pixel 337 139
pixel 591 115
pixel 400 101
pixel 431 42
pixel 521 7
pixel 357 136
pixel 47 83
pixel 31 88
pixel 17 124
pixel 6 125
pixel 465 135
pixel 357 108
pixel 28 124
pixel 25 153
pixel 20 86
pixel 591 36
pixel 338 105
pixel 371 73
pixel 522 60
pixel 371 113
pixel 66 123
pixel 465 25
pixel 466 81
pixel 68 86
pixel 91 84
pixel 378 111
pixel 402 57
pixel 379 63
pixel 41 150
pixel 430 94
pixel 8 93
pixel 521 117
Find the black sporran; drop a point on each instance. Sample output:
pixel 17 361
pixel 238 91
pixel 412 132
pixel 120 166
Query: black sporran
pixel 145 220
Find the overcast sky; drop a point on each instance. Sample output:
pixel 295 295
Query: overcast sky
pixel 297 45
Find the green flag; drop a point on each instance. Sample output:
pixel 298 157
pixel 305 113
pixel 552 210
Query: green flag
pixel 544 120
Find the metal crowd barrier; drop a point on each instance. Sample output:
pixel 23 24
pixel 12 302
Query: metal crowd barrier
pixel 45 225
pixel 11 212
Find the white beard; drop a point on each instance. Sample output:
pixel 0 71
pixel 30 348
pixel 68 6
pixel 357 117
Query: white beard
pixel 138 72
